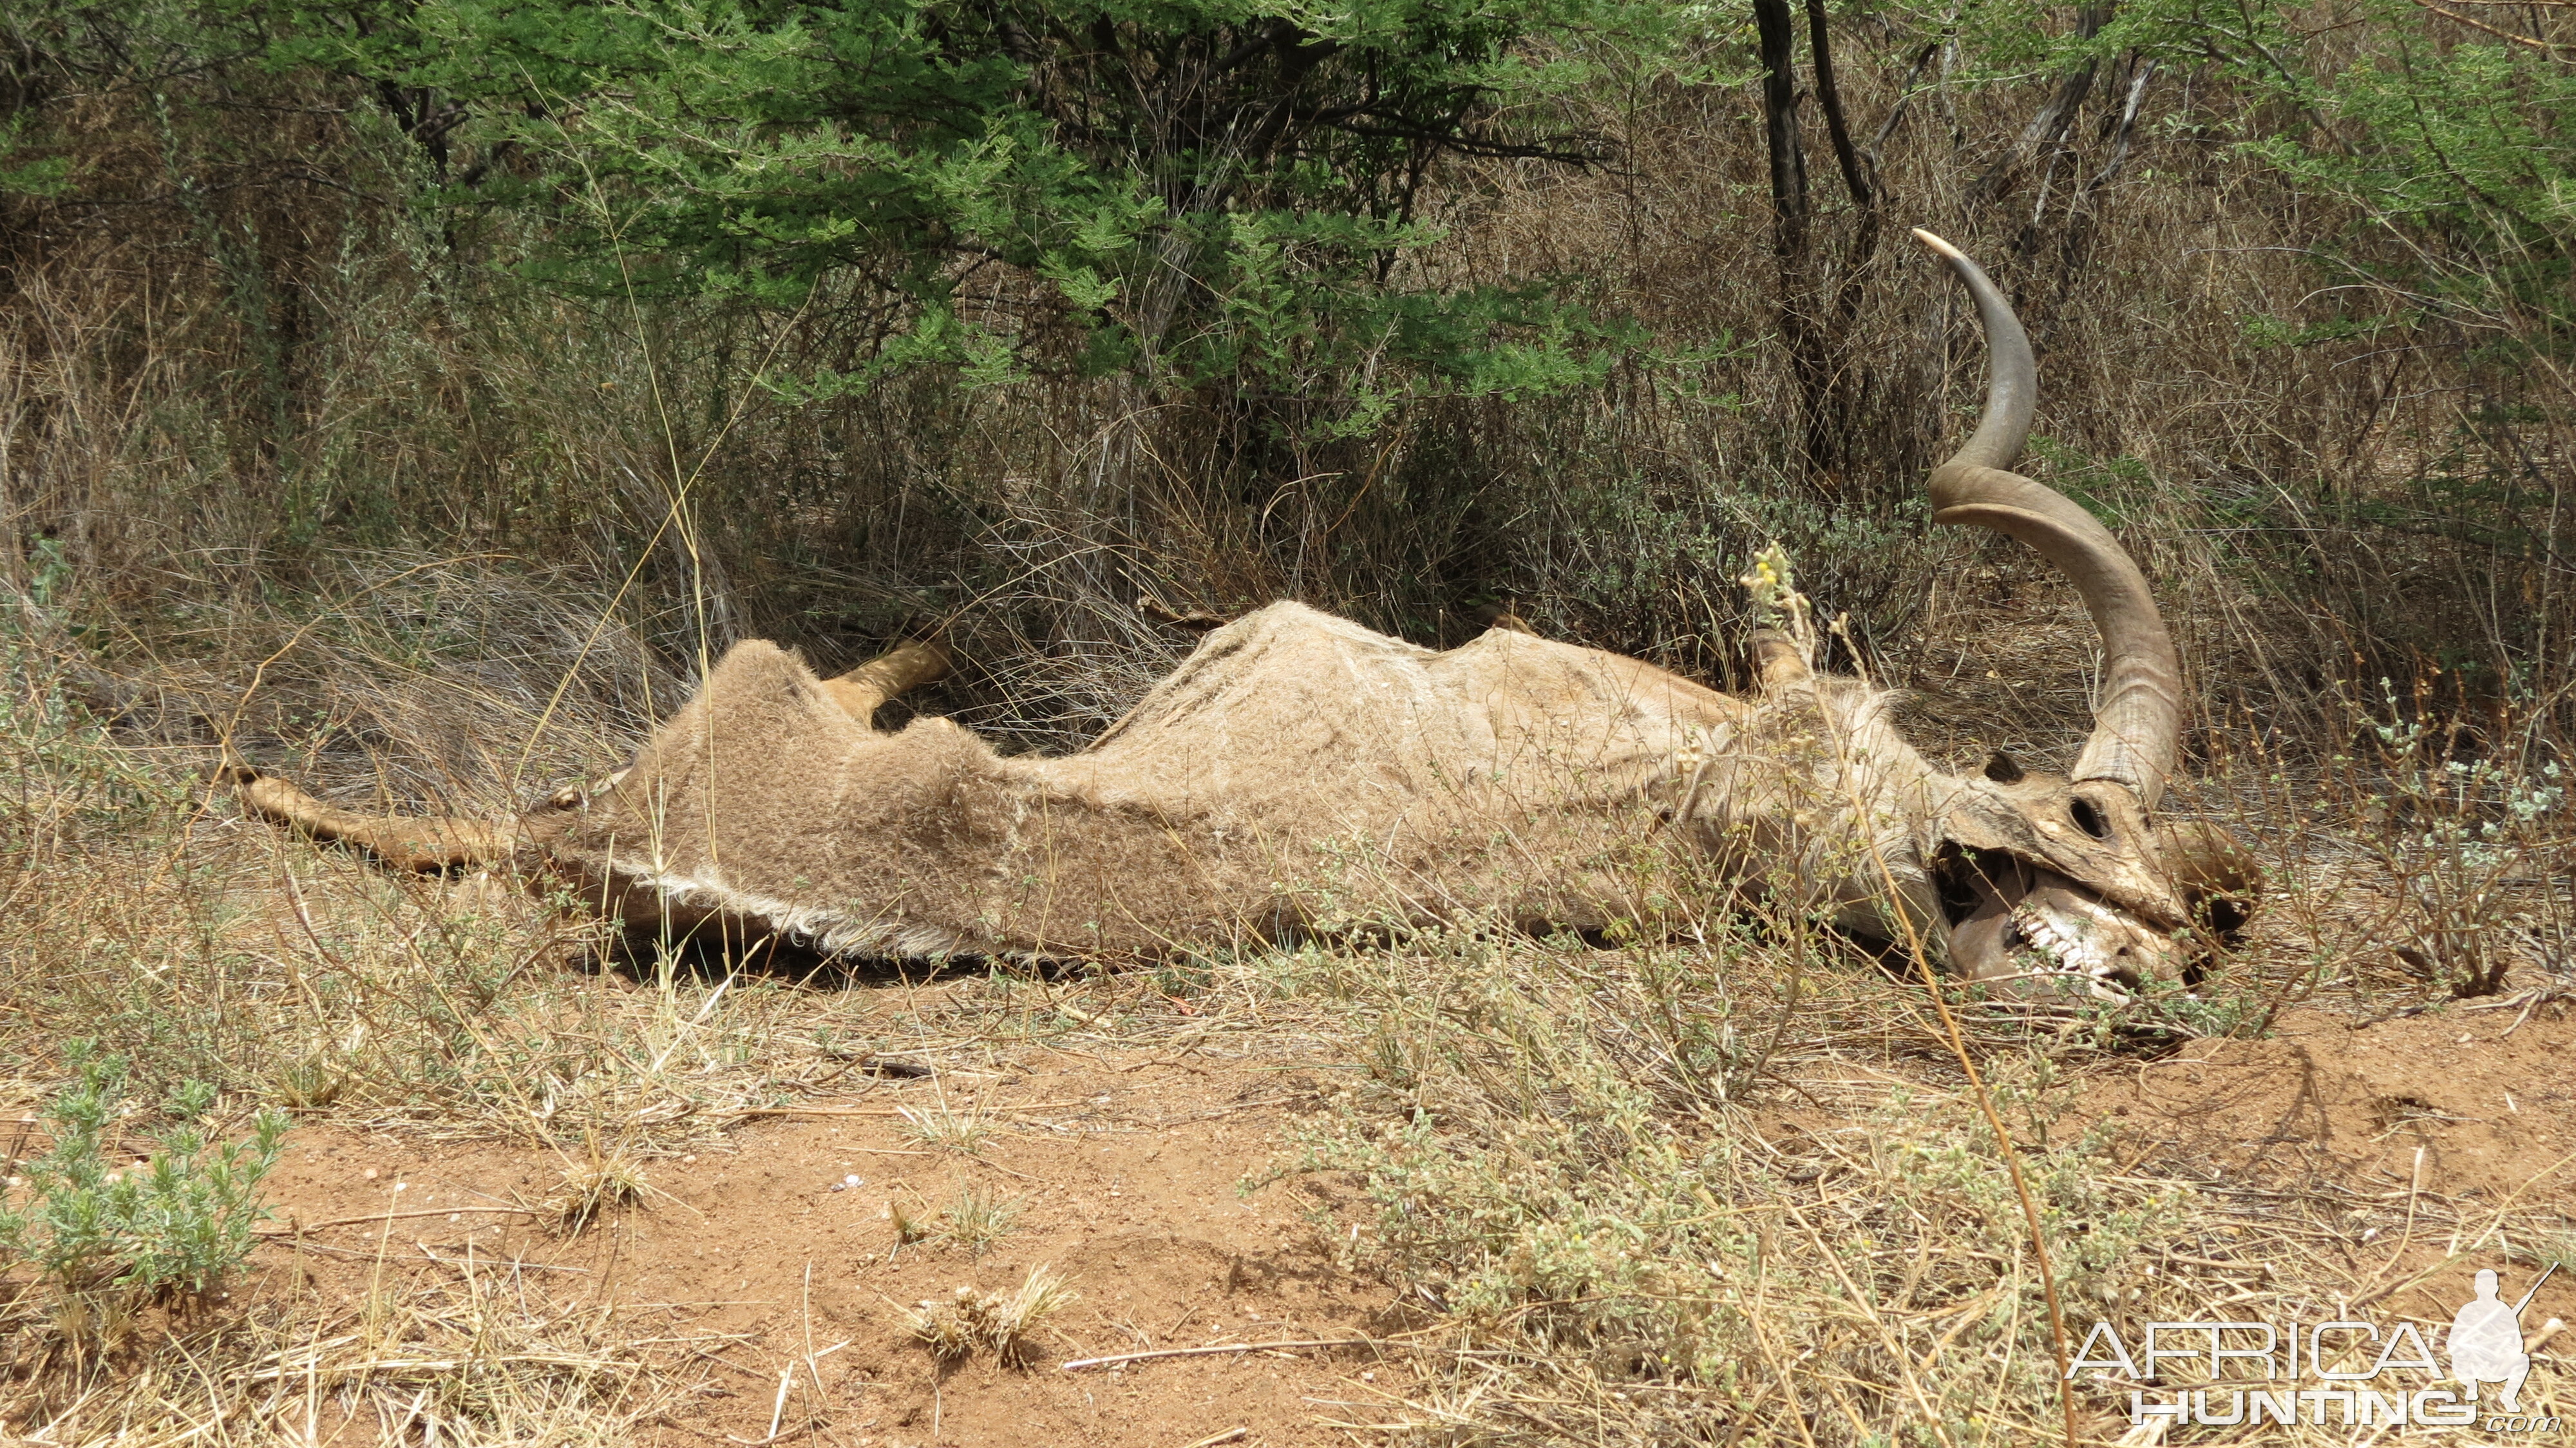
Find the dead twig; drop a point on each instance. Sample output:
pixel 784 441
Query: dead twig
pixel 749 1111
pixel 1114 1359
pixel 293 1229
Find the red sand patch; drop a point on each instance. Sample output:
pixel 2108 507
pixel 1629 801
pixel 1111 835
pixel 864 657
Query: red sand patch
pixel 1128 1182
pixel 2491 1107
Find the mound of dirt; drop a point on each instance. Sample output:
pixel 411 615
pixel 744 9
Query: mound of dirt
pixel 2400 1146
pixel 2486 1099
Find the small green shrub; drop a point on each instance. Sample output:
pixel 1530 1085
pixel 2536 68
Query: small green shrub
pixel 175 1222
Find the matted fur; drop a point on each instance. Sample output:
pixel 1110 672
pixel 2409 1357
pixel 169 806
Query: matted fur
pixel 1296 763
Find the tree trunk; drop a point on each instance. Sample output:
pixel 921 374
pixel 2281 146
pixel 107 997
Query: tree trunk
pixel 1792 238
pixel 2048 126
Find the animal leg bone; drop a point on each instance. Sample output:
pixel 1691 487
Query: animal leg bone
pixel 434 844
pixel 881 680
pixel 1779 660
pixel 423 846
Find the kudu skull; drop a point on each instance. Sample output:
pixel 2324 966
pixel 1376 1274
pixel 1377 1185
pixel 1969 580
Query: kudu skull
pixel 1298 770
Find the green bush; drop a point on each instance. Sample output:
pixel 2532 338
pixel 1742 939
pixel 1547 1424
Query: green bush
pixel 1190 192
pixel 174 1223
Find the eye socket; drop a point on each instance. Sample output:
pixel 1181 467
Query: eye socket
pixel 2089 818
pixel 1965 880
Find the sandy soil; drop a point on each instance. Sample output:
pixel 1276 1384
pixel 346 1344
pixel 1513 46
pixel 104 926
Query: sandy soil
pixel 1133 1174
pixel 2491 1108
pixel 2475 1107
pixel 1129 1175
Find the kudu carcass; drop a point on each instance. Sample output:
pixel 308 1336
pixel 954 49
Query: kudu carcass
pixel 1297 760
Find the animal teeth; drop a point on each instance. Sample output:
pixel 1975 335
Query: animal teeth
pixel 2059 953
pixel 2054 952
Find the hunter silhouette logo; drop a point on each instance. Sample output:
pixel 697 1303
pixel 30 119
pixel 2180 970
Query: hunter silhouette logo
pixel 2486 1341
pixel 2352 1372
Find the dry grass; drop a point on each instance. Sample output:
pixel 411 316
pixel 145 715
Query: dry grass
pixel 978 1218
pixel 2312 509
pixel 959 1129
pixel 1006 1323
pixel 1572 1161
pixel 200 947
pixel 601 1180
pixel 1569 1159
pixel 1608 1244
pixel 485 1357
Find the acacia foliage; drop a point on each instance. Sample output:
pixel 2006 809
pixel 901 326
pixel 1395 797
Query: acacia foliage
pixel 1230 191
pixel 1189 190
pixel 2445 132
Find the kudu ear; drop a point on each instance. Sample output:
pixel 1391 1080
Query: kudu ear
pixel 2218 880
